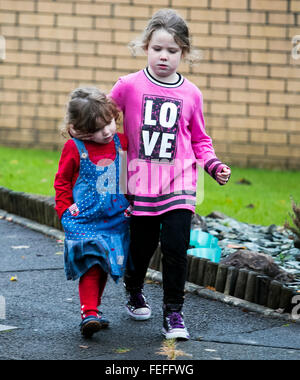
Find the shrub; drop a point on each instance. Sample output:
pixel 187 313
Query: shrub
pixel 295 228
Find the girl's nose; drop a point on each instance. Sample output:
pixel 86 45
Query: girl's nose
pixel 106 131
pixel 163 56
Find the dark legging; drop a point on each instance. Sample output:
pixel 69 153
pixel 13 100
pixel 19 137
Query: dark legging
pixel 173 230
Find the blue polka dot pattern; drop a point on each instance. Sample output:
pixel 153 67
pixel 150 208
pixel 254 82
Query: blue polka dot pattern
pixel 97 224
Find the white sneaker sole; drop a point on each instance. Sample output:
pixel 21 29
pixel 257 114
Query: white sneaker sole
pixel 176 334
pixel 145 314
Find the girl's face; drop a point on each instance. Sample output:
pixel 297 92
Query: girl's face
pixel 105 134
pixel 102 136
pixel 164 56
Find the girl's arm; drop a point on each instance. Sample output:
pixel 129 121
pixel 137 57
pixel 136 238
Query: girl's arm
pixel 203 148
pixel 65 178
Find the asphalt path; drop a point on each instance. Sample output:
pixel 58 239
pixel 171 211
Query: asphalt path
pixel 40 316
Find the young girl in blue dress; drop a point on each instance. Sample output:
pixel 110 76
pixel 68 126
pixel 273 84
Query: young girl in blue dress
pixel 93 210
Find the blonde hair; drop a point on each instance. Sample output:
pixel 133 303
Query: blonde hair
pixel 89 110
pixel 173 23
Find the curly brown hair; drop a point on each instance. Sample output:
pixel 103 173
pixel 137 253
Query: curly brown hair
pixel 88 110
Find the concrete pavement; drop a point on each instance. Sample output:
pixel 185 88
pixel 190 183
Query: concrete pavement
pixel 40 316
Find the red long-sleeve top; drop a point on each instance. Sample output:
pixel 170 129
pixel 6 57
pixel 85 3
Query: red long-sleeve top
pixel 69 165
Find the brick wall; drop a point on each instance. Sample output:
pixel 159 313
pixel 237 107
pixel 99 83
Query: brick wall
pixel 249 79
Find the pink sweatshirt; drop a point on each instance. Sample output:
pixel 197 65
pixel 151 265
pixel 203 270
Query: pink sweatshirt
pixel 166 135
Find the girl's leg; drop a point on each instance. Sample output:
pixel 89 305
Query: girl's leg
pixel 144 236
pixel 91 287
pixel 175 238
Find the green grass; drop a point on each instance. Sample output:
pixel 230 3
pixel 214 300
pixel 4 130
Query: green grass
pixel 267 197
pixel 269 194
pixel 28 170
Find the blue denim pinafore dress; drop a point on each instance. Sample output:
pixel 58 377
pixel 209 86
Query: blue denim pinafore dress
pixel 97 224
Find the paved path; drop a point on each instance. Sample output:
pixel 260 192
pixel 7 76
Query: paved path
pixel 44 308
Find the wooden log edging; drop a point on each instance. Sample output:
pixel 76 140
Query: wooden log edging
pixel 38 208
pixel 216 278
pixel 241 283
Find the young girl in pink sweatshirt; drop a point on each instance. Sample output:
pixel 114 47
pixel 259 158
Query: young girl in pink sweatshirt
pixel 164 124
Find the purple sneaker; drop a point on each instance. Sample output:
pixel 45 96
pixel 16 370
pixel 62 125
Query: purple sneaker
pixel 137 307
pixel 173 325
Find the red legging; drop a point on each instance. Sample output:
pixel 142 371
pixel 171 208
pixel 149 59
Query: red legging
pixel 91 287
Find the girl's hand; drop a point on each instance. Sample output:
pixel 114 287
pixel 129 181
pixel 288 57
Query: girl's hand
pixel 80 136
pixel 223 176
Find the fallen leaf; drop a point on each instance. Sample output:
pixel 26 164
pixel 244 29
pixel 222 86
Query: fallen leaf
pixel 169 349
pixel 121 350
pixel 210 288
pixel 14 278
pixel 236 246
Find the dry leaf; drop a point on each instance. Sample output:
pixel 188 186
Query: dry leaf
pixel 236 246
pixel 169 349
pixel 121 350
pixel 210 288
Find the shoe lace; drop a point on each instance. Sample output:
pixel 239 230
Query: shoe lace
pixel 176 320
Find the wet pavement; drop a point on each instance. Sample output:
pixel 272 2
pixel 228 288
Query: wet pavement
pixel 40 316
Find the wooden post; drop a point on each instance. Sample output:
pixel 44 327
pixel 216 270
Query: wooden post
pixel 241 282
pixel 261 290
pixel 201 271
pixel 274 294
pixel 250 287
pixel 232 273
pixel 221 278
pixel 210 274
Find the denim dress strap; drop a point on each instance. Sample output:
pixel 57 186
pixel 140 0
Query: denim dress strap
pixel 83 153
pixel 117 143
